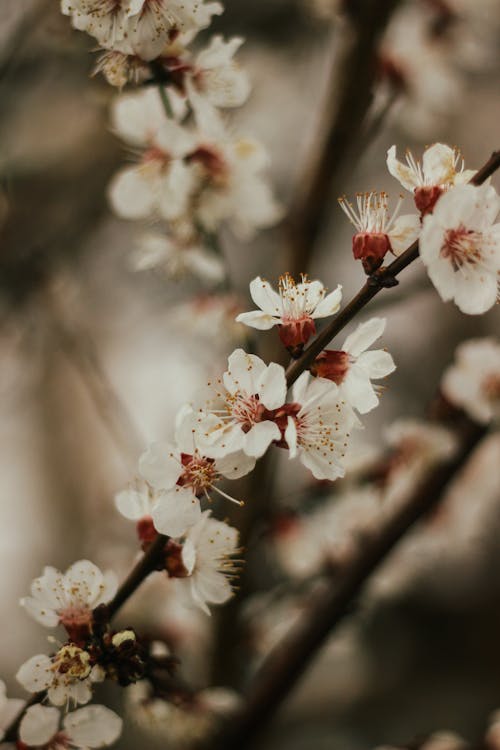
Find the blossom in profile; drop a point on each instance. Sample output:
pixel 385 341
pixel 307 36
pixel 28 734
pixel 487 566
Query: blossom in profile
pixel 293 308
pixel 473 381
pixel 378 232
pixel 442 168
pixel 203 562
pixel 67 676
pixel 460 247
pixel 353 367
pixel 9 709
pixel 318 426
pixel 236 414
pixel 69 598
pixel 90 727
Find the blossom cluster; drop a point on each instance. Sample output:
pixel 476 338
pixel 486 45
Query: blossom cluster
pixel 456 226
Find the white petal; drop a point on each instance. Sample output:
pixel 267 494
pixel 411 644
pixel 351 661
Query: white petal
pixel 35 674
pixel 160 465
pixel 131 194
pixel 244 372
pixel 329 305
pixel 291 437
pixel 256 319
pixel 404 232
pixel 438 164
pixel 260 437
pixel 133 504
pixel 358 391
pixel 272 387
pixel 40 612
pixel 364 336
pixel 376 364
pixel 177 510
pixel 400 171
pixel 83 581
pixel 39 724
pixel 235 465
pixel 265 297
pixel 477 292
pixel 93 726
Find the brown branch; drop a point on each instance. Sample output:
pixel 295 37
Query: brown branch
pixel 350 95
pixel 382 279
pixel 287 662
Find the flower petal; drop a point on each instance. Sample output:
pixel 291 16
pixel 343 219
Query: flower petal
pixel 177 510
pixel 39 725
pixel 260 437
pixel 364 336
pixel 93 726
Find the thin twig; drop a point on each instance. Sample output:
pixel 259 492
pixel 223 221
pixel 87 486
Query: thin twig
pixel 289 659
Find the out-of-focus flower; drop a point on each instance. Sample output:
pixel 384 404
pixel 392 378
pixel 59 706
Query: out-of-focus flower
pixel 377 231
pixel 437 741
pixel 69 598
pixel 67 676
pixel 178 255
pixel 293 308
pixel 318 426
pixel 202 562
pixel 187 721
pixel 89 727
pixel 442 168
pixel 352 368
pixel 235 415
pixel 473 381
pixel 140 27
pixel 9 708
pixel 460 247
pixel 492 739
pixel 119 69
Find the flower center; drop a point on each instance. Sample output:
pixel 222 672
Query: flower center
pixel 199 473
pixel 73 662
pixel 460 247
pixel 155 160
pixel 247 410
pixel 212 163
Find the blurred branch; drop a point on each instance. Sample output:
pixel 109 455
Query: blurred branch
pixel 28 23
pixel 290 658
pixel 350 95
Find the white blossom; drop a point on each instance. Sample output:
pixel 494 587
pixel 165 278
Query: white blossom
pixel 353 367
pixel 69 598
pixel 377 231
pixel 460 246
pixel 207 553
pixel 89 727
pixel 218 77
pixel 234 415
pixel 293 308
pixel 178 255
pixel 473 381
pixel 442 168
pixel 67 676
pixel 9 709
pixel 318 429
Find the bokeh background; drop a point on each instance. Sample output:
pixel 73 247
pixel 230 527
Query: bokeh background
pixel 96 358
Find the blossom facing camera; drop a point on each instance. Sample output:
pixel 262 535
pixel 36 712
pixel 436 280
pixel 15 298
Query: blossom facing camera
pixel 378 233
pixel 460 247
pixel 473 381
pixel 294 308
pixel 442 168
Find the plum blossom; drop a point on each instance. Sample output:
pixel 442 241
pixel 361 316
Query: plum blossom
pixel 67 676
pixel 89 727
pixel 460 247
pixel 377 231
pixel 171 512
pixel 236 414
pixel 178 254
pixel 9 709
pixel 69 598
pixel 203 562
pixel 473 381
pixel 181 466
pixel 294 308
pixel 160 185
pixel 138 27
pixel 353 368
pixel 442 168
pixel 318 425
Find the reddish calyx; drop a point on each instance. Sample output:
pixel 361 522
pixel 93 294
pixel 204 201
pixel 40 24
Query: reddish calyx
pixel 332 365
pixel 296 333
pixel 173 562
pixel 280 418
pixel 370 248
pixel 426 197
pixel 212 162
pixel 146 532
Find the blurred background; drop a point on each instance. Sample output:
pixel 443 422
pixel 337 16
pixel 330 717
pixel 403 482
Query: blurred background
pixel 96 358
